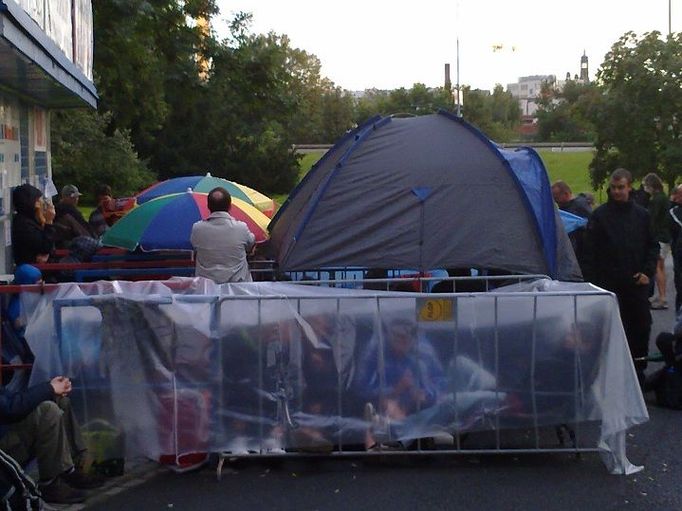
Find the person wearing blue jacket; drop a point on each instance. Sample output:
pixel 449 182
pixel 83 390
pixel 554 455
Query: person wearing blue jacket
pixel 39 423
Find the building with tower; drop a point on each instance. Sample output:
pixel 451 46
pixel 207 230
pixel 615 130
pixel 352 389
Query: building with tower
pixel 584 69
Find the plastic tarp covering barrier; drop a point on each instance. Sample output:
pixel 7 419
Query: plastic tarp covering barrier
pixel 189 366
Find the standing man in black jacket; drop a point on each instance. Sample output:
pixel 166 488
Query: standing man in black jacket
pixel 620 256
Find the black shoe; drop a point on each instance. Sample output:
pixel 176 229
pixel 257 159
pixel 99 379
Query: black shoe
pixel 82 481
pixel 58 492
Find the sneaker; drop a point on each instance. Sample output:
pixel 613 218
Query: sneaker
pixel 659 304
pixel 59 492
pixel 82 481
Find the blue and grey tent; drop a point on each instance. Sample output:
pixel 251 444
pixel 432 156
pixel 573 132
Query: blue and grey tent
pixel 423 192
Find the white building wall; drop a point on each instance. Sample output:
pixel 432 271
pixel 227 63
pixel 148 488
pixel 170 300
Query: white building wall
pixel 57 19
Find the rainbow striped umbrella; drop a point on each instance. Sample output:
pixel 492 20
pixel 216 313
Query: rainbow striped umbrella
pixel 205 184
pixel 166 223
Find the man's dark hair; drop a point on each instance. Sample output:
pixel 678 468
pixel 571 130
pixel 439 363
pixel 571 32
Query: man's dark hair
pixel 621 173
pixel 219 200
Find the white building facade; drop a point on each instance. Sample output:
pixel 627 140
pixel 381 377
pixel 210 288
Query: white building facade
pixel 46 57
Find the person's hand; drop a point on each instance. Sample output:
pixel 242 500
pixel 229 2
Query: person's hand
pixel 61 385
pixel 42 258
pixel 49 213
pixel 641 279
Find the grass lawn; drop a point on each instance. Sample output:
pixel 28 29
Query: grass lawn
pixel 572 167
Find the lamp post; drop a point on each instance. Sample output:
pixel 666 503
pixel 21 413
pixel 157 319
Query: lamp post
pixel 459 100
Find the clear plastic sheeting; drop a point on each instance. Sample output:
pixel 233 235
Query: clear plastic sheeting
pixel 188 366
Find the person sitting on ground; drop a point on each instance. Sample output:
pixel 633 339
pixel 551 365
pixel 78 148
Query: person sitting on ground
pixel 68 220
pixel 221 242
pixel 33 233
pixel 404 378
pixel 39 422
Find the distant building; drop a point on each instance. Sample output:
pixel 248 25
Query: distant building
pixel 46 53
pixel 584 69
pixel 527 91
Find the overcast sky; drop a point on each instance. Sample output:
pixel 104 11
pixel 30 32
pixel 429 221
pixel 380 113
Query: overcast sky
pixel 391 44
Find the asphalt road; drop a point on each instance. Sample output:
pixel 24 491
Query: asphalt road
pixel 499 482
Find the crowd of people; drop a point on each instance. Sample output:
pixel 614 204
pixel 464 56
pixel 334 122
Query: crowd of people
pixel 623 249
pixel 38 422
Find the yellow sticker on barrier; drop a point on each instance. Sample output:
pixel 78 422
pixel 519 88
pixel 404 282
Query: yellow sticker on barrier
pixel 435 309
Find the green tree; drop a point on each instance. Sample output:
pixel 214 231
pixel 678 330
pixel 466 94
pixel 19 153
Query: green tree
pixel 248 107
pixel 84 153
pixel 638 120
pixel 564 115
pixel 418 100
pixel 497 114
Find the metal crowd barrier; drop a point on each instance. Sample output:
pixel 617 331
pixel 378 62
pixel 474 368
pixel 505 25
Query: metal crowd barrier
pixel 293 369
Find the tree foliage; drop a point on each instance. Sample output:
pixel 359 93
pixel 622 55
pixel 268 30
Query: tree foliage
pixel 497 114
pixel 175 100
pixel 565 115
pixel 88 155
pixel 638 118
pixel 418 100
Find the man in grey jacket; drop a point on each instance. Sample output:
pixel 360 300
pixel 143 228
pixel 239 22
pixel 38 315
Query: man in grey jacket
pixel 221 242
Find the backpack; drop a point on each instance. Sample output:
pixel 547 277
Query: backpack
pixel 17 490
pixel 669 388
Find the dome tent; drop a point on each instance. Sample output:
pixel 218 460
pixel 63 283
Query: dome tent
pixel 423 192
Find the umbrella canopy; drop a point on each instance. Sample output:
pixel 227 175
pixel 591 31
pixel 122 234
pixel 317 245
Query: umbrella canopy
pixel 205 184
pixel 166 223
